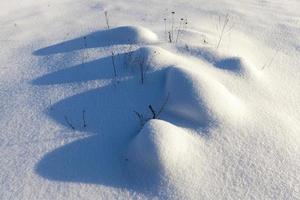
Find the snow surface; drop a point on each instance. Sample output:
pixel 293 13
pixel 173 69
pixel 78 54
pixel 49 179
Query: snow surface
pixel 228 119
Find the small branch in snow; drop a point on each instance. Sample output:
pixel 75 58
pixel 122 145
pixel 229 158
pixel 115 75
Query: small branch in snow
pixel 155 115
pixel 85 47
pixel 83 119
pixel 141 117
pixel 172 28
pixel 170 37
pixel 163 105
pixel 127 58
pixel 69 123
pixel 165 20
pixel 113 63
pixel 153 112
pixel 142 69
pixel 106 19
pixel 179 30
pixel 223 28
pixel 268 64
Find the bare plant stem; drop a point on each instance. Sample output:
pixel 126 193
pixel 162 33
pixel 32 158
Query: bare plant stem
pixel 142 69
pixel 165 20
pixel 271 60
pixel 141 118
pixel 178 32
pixel 170 37
pixel 153 112
pixel 128 56
pixel 223 29
pixel 50 107
pixel 163 105
pixel 155 115
pixel 83 119
pixel 69 123
pixel 106 19
pixel 113 63
pixel 85 42
pixel 83 54
pixel 172 28
pixel 187 48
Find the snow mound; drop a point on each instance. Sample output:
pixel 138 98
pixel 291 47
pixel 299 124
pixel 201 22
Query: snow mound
pixel 133 34
pixel 154 57
pixel 104 38
pixel 164 154
pixel 78 113
pixel 196 95
pixel 200 98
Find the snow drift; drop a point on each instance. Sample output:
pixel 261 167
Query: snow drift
pixel 121 113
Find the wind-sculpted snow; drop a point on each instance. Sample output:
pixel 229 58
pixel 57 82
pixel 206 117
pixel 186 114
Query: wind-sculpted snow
pixel 115 36
pixel 166 155
pixel 122 113
pixel 173 86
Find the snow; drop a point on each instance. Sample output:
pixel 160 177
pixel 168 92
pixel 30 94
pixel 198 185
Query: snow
pixel 75 101
pixel 116 36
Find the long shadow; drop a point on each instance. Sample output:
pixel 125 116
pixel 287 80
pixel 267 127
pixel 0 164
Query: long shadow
pixel 109 118
pixel 116 36
pixel 107 115
pixel 233 64
pixel 94 70
pixel 95 160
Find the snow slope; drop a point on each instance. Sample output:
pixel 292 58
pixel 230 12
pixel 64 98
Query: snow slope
pixel 94 113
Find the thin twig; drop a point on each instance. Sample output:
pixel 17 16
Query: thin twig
pixel 186 24
pixel 106 19
pixel 170 37
pixel 113 63
pixel 187 47
pixel 153 112
pixel 141 117
pixel 267 65
pixel 223 29
pixel 179 30
pixel 128 56
pixel 69 123
pixel 165 20
pixel 173 13
pixel 163 105
pixel 83 119
pixel 142 62
pixel 83 53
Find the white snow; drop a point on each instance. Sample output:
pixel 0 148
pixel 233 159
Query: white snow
pixel 89 112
